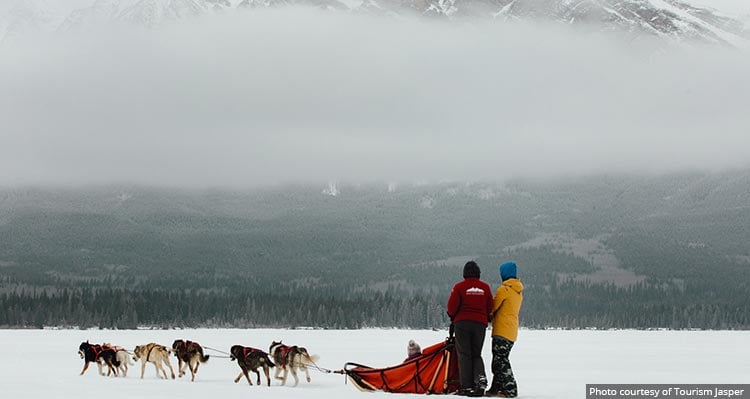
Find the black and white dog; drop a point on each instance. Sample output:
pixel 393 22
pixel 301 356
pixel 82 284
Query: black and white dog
pixel 91 353
pixel 123 356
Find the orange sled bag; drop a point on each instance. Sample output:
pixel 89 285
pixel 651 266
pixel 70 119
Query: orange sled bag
pixel 434 372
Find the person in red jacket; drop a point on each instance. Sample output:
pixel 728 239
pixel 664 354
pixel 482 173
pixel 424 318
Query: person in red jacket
pixel 469 308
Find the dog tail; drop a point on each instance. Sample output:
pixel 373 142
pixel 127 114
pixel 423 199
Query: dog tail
pixel 116 362
pixel 204 358
pixel 268 360
pixel 309 359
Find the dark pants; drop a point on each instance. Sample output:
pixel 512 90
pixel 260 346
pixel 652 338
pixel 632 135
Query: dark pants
pixel 469 341
pixel 502 375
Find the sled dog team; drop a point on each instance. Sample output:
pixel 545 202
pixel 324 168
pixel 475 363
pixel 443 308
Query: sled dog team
pixel 190 355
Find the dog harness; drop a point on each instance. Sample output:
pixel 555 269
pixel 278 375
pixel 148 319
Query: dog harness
pixel 114 348
pixel 283 353
pixel 246 351
pixel 97 349
pixel 185 355
pixel 148 355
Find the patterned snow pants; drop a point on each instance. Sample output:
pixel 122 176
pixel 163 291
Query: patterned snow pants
pixel 502 375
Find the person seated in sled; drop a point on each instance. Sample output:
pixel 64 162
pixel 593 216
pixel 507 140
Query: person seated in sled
pixel 413 350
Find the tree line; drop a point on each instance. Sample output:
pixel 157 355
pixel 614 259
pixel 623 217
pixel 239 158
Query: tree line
pixel 567 304
pixel 122 308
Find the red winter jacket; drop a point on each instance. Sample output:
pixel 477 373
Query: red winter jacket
pixel 471 299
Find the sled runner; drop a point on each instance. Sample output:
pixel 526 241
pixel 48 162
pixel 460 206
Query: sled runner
pixel 434 372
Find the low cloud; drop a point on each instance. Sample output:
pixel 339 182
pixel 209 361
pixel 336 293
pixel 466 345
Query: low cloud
pixel 301 95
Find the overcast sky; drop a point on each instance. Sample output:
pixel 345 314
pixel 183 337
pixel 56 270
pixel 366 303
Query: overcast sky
pixel 730 7
pixel 297 95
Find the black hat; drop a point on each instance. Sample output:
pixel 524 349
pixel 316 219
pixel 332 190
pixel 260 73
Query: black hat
pixel 471 269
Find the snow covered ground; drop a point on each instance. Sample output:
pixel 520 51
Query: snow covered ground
pixel 548 364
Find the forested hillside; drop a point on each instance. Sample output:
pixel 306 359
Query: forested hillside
pixel 605 251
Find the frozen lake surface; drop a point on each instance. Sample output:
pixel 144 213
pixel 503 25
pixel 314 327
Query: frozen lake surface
pixel 547 364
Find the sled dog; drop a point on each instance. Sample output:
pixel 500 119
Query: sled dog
pixel 100 355
pixel 188 354
pixel 123 356
pixel 251 359
pixel 156 354
pixel 290 359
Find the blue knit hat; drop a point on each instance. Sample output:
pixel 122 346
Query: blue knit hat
pixel 508 270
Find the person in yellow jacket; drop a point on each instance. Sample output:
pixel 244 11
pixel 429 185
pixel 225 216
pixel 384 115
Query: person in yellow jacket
pixel 507 304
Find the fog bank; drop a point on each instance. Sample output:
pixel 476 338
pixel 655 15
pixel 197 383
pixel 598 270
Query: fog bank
pixel 301 95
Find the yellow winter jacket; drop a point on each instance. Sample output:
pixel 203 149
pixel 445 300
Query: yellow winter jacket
pixel 507 304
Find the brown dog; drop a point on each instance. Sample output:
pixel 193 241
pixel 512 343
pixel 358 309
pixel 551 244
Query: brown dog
pixel 251 359
pixel 156 354
pixel 188 354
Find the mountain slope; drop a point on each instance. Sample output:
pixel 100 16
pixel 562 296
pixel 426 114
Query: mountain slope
pixel 675 246
pixel 671 20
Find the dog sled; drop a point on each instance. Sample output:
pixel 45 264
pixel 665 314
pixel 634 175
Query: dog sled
pixel 435 371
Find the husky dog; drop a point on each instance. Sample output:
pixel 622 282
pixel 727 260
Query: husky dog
pixel 290 358
pixel 98 354
pixel 251 359
pixel 156 354
pixel 123 356
pixel 188 354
